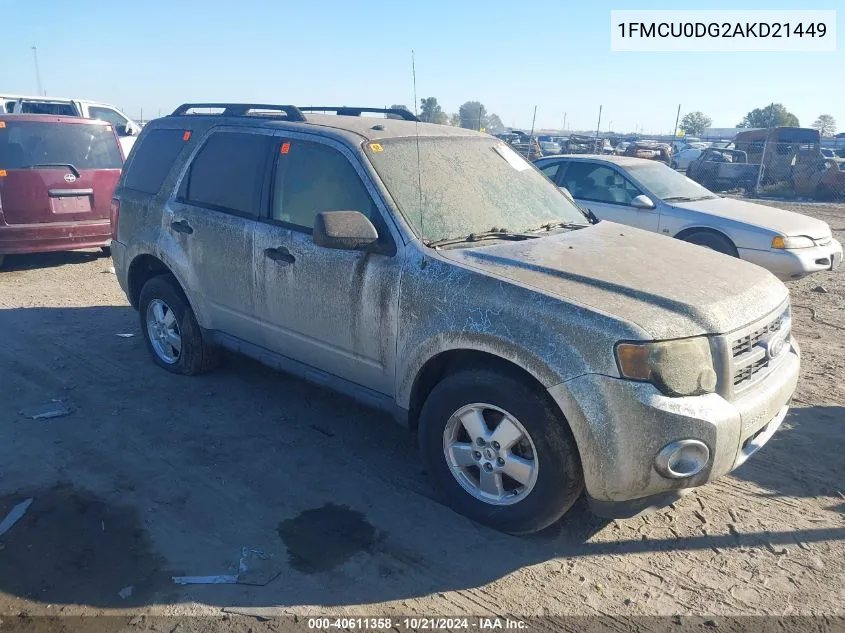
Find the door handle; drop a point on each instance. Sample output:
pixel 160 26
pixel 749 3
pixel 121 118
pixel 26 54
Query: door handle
pixel 180 226
pixel 280 255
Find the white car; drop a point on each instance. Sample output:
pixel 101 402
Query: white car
pixel 127 129
pixel 651 196
pixel 682 159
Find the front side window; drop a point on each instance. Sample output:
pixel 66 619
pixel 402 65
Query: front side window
pixel 228 173
pixel 111 116
pixel 598 183
pixel 310 178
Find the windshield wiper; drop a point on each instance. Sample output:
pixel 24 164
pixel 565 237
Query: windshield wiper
pixel 478 237
pixel 548 226
pixel 68 165
pixel 688 198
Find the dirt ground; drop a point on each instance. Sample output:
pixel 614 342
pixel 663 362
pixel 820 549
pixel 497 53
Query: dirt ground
pixel 153 476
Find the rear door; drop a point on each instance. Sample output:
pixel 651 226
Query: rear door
pixel 56 170
pixel 212 221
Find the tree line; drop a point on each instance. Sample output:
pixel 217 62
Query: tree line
pixel 773 115
pixel 473 115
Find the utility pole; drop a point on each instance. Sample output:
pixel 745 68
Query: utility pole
pixel 37 72
pixel 677 117
pixel 598 127
pixel 531 140
pixel 564 122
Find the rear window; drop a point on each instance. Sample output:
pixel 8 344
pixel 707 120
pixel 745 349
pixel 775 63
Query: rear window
pixel 39 107
pixel 153 159
pixel 228 172
pixel 33 143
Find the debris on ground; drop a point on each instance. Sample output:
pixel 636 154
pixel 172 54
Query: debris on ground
pixel 109 271
pixel 821 289
pixel 126 592
pixel 125 334
pixel 52 409
pixel 14 516
pixel 253 569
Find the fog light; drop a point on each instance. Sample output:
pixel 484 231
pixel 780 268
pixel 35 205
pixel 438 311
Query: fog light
pixel 682 458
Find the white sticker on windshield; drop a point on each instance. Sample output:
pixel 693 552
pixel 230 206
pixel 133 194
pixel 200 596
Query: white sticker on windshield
pixel 514 160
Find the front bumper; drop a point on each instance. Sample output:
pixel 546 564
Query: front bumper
pixel 620 427
pixel 796 263
pixel 53 236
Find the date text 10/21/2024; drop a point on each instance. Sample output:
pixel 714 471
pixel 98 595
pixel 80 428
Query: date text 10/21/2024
pixel 417 623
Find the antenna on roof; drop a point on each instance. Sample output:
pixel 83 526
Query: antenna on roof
pixel 417 132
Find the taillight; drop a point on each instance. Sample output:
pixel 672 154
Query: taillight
pixel 114 214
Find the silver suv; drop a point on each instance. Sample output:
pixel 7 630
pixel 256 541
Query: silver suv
pixel 432 272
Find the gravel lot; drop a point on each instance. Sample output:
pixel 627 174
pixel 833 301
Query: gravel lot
pixel 153 476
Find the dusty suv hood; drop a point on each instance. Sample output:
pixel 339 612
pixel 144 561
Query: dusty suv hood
pixel 667 287
pixel 779 220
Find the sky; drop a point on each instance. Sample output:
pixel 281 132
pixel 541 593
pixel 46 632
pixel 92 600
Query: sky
pixel 147 57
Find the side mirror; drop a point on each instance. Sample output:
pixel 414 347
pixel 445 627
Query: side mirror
pixel 567 193
pixel 642 202
pixel 344 230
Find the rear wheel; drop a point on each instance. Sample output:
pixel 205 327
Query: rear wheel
pixel 713 241
pixel 2 257
pixel 499 452
pixel 106 250
pixel 171 331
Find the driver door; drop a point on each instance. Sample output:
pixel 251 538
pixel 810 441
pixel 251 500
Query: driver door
pixel 332 310
pixel 605 191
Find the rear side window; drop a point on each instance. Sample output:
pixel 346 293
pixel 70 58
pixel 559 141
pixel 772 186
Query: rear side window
pixel 228 173
pixel 38 107
pixel 33 143
pixel 153 159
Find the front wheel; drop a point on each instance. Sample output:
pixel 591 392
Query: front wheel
pixel 498 451
pixel 713 241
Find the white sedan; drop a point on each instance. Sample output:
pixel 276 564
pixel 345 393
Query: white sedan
pixel 649 195
pixel 682 159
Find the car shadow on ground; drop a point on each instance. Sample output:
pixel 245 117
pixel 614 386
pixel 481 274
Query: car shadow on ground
pixel 301 496
pixel 804 458
pixel 29 261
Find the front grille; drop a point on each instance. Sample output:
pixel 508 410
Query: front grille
pixel 750 352
pixel 744 344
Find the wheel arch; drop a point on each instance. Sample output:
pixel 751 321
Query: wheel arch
pixel 141 270
pixel 690 230
pixel 439 365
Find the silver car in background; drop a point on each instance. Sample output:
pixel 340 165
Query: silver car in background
pixel 651 196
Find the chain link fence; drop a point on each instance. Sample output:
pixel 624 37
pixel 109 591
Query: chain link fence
pixel 787 163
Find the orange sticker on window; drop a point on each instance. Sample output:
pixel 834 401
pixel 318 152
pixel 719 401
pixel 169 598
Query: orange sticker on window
pixel 2 172
pixel 186 136
pixel 285 148
pixel 2 124
pixel 376 147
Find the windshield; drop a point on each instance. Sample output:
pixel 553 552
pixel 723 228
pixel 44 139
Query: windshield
pixel 667 184
pixel 30 143
pixel 467 185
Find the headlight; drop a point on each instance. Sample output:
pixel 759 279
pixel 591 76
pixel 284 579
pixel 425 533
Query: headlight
pixel 797 241
pixel 678 368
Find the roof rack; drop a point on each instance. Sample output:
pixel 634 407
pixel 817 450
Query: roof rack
pixel 291 112
pixel 356 111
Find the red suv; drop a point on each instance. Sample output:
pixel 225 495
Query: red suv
pixel 57 176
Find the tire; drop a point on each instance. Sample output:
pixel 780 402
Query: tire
pixel 106 250
pixel 2 257
pixel 713 241
pixel 549 448
pixel 194 355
